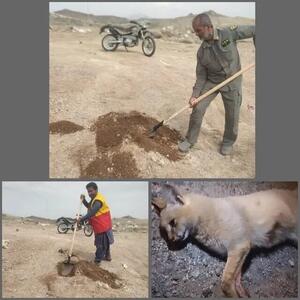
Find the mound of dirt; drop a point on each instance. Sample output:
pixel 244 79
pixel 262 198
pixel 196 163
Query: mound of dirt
pixel 72 87
pixel 116 165
pixel 93 272
pixel 112 128
pixel 64 127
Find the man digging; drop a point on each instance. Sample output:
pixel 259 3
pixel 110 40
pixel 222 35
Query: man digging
pixel 217 59
pixel 99 217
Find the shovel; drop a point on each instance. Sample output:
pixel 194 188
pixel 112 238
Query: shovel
pixel 217 87
pixel 68 265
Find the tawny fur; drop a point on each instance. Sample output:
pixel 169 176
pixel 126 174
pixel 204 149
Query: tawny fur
pixel 231 225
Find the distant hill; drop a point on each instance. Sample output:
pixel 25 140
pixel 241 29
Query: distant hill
pixel 173 29
pixel 69 17
pixel 39 219
pixel 30 219
pixel 74 18
pixel 128 217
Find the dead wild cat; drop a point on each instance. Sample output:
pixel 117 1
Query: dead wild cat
pixel 230 225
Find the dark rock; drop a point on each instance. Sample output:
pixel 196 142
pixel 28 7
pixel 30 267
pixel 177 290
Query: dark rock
pixel 195 273
pixel 206 292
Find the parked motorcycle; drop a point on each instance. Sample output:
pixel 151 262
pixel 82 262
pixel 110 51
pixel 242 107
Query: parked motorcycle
pixel 66 224
pixel 128 37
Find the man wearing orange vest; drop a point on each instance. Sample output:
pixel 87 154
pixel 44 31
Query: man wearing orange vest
pixel 99 217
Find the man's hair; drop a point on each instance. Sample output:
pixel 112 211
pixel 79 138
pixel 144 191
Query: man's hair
pixel 92 185
pixel 202 19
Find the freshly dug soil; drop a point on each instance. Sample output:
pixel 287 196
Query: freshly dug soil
pixel 29 264
pixel 116 165
pixel 190 271
pixel 111 129
pixel 93 272
pixel 75 94
pixel 64 127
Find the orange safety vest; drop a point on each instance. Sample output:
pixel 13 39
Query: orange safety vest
pixel 101 221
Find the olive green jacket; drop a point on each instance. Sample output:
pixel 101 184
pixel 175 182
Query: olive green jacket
pixel 219 59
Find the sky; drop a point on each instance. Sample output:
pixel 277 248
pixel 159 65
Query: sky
pixel 133 10
pixel 55 199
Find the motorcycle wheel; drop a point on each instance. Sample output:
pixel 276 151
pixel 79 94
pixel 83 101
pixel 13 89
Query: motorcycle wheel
pixel 62 228
pixel 106 43
pixel 88 230
pixel 148 46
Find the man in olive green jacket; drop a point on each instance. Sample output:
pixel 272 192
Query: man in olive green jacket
pixel 217 59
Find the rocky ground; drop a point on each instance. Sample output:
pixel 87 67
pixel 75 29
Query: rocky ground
pixel 33 250
pixel 192 272
pixel 88 84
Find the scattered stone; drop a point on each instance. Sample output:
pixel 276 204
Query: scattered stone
pixel 102 285
pixel 206 292
pixel 80 30
pixel 291 262
pixel 43 224
pixel 195 274
pixel 177 276
pixel 218 271
pixel 125 266
pixel 5 244
pixel 156 34
pixel 119 283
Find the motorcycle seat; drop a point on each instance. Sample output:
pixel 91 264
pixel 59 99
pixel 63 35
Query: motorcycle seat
pixel 124 30
pixel 69 220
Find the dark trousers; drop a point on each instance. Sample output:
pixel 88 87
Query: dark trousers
pixel 102 246
pixel 232 99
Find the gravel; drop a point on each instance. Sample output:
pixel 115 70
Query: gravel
pixel 192 272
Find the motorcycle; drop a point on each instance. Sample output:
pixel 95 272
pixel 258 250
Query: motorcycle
pixel 66 224
pixel 128 37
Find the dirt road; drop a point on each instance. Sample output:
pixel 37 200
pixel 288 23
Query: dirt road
pixel 29 263
pixel 87 82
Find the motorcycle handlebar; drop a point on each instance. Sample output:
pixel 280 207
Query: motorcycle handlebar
pixel 137 23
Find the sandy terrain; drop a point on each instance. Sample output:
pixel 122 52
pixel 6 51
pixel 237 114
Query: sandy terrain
pixel 87 82
pixel 29 263
pixel 191 271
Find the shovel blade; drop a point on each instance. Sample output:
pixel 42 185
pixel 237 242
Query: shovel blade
pixel 67 269
pixel 155 128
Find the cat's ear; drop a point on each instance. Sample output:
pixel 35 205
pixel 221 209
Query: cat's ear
pixel 164 195
pixel 175 194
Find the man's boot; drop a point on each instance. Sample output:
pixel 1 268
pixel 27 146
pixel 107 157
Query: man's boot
pixel 226 149
pixel 184 146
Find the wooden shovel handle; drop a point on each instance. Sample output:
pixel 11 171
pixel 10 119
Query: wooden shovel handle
pixel 214 89
pixel 75 229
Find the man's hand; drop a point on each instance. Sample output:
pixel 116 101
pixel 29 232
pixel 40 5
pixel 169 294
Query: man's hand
pixel 192 101
pixel 79 220
pixel 82 197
